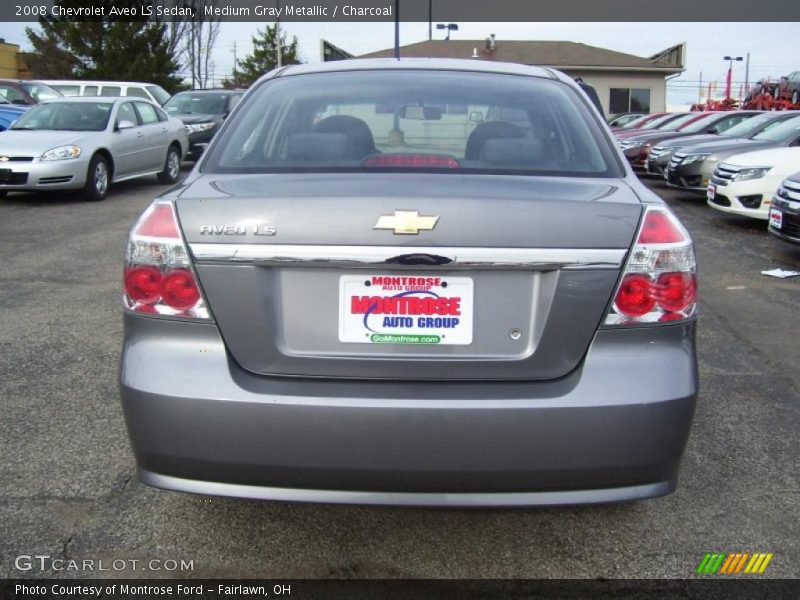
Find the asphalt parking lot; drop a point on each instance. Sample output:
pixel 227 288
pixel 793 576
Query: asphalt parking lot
pixel 68 487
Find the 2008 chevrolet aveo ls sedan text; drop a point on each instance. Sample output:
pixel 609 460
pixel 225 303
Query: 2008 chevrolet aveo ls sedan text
pixel 411 282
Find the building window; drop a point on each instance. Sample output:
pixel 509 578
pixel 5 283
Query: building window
pixel 622 100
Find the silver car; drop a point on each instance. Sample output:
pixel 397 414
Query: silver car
pixel 429 282
pixel 88 144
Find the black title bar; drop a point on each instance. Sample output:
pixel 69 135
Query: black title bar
pixel 405 10
pixel 715 588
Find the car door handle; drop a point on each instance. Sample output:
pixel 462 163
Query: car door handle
pixel 140 134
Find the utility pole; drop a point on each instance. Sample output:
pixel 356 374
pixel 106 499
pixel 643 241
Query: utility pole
pixel 397 28
pixel 430 20
pixel 235 84
pixel 747 74
pixel 700 90
pixel 278 43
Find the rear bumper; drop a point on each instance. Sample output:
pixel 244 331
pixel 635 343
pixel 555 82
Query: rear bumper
pixel 612 430
pixel 472 499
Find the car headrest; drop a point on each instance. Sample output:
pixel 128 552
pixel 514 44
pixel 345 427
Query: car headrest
pixel 318 147
pixel 488 131
pixel 504 152
pixel 356 130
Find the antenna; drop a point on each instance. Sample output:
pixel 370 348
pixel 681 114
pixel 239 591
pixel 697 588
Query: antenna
pixel 397 28
pixel 234 65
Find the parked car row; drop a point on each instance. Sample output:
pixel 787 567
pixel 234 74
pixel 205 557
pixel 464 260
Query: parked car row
pixel 86 135
pixel 88 143
pixel 745 162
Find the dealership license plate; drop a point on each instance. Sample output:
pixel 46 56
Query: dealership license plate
pixel 775 218
pixel 711 191
pixel 405 309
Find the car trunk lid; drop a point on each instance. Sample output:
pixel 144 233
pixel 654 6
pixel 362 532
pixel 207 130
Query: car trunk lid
pixel 510 280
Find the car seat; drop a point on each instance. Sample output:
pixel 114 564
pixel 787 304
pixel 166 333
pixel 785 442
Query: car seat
pixel 362 143
pixel 487 131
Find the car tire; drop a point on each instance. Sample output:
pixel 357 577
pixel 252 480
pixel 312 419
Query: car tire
pixel 98 179
pixel 172 166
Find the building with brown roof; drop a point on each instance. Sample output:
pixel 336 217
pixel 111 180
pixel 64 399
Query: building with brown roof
pixel 624 82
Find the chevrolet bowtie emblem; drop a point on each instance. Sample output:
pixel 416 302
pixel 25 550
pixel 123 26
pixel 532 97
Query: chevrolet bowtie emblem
pixel 4 158
pixel 406 222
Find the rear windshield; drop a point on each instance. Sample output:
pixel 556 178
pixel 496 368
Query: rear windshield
pixel 446 121
pixel 40 92
pixel 159 93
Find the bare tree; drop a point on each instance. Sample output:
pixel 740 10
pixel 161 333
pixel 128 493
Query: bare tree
pixel 199 41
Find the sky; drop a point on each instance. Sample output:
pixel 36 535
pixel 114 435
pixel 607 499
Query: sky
pixel 774 47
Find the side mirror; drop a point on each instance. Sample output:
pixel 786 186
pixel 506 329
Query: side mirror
pixel 125 124
pixel 476 116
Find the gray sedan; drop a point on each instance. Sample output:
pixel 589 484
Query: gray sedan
pixel 417 282
pixel 89 143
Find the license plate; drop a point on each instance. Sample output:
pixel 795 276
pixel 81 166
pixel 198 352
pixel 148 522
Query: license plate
pixel 5 175
pixel 711 191
pixel 775 218
pixel 405 309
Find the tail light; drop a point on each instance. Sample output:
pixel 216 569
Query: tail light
pixel 158 275
pixel 659 284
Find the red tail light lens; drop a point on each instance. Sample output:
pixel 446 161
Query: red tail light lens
pixel 675 291
pixel 179 289
pixel 143 284
pixel 635 297
pixel 659 228
pixel 412 160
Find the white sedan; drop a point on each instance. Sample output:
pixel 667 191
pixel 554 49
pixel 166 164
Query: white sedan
pixel 745 183
pixel 89 143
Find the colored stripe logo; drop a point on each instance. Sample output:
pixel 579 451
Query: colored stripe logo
pixel 734 563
